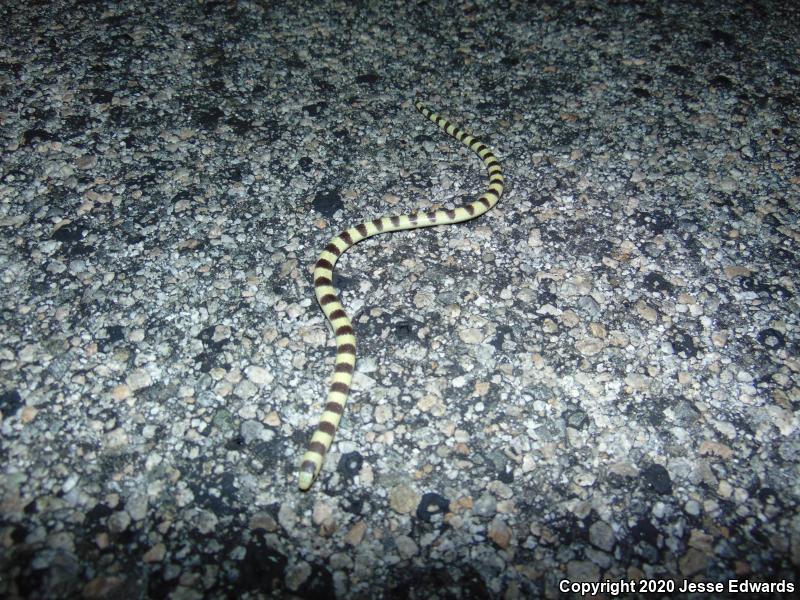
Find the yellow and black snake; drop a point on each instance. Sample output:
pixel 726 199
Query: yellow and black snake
pixel 333 309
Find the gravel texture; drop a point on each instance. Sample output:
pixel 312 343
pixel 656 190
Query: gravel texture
pixel 596 381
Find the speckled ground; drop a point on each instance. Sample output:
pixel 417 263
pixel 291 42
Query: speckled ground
pixel 596 381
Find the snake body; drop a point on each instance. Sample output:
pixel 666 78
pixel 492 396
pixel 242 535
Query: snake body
pixel 333 309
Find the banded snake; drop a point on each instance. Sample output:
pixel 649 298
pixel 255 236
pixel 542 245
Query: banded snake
pixel 332 307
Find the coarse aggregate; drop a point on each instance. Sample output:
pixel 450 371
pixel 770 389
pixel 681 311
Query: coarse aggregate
pixel 596 381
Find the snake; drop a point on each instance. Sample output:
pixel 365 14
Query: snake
pixel 331 306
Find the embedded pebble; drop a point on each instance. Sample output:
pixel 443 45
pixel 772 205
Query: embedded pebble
pixel 136 505
pixel 403 499
pixel 602 535
pixel 206 522
pixel 155 554
pixel 254 431
pixel 323 512
pixel 118 522
pixel 139 379
pixel 471 335
pixel 258 375
pixel 589 346
pixel 263 521
pixel 406 547
pixel 356 533
pixel 485 506
pixel 297 574
pixel 499 532
pixel 121 392
pixel 582 570
pixel 287 517
pixel 116 439
pixel 692 562
pixel 500 489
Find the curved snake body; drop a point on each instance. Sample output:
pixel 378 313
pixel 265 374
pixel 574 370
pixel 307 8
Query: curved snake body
pixel 333 309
